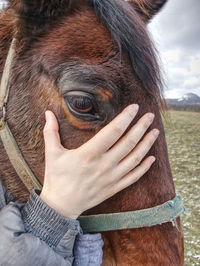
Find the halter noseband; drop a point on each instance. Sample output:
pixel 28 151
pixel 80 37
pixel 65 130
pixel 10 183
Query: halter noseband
pixel 166 212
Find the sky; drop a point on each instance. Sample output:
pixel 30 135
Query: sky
pixel 2 2
pixel 176 34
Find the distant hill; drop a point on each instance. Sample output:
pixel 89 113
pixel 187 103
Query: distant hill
pixel 187 99
pixel 189 102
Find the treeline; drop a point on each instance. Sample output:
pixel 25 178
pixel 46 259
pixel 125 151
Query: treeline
pixel 186 107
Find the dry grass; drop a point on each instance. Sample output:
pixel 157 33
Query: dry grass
pixel 183 138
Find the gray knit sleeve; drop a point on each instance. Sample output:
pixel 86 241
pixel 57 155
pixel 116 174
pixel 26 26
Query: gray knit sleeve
pixel 45 223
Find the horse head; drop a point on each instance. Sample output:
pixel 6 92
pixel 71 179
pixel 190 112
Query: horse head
pixel 85 61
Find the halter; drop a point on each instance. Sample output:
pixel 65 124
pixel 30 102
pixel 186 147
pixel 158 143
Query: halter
pixel 166 212
pixel 9 142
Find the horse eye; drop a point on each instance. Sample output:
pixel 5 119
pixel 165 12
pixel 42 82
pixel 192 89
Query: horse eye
pixel 81 104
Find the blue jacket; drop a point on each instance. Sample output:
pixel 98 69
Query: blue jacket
pixel 33 234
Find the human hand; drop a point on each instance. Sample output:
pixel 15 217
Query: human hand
pixel 79 179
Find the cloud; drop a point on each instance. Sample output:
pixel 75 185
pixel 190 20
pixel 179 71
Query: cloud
pixel 178 24
pixel 2 3
pixel 191 82
pixel 176 31
pixel 195 64
pixel 173 56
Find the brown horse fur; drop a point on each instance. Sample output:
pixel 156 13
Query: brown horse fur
pixel 102 48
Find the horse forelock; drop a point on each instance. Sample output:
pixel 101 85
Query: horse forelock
pixel 130 33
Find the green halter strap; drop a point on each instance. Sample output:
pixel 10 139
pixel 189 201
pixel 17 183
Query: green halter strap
pixel 166 212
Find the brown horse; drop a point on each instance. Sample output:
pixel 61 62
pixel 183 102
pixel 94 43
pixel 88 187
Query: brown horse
pixel 86 61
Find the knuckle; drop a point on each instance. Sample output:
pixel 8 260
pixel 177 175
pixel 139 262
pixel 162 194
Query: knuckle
pixel 46 130
pixel 137 160
pixel 85 155
pixel 148 145
pixel 132 142
pixel 150 142
pixel 145 124
pixel 104 168
pixel 113 190
pixel 129 114
pixel 146 167
pixel 88 158
pixel 118 129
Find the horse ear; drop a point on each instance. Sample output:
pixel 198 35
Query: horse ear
pixel 35 15
pixel 147 8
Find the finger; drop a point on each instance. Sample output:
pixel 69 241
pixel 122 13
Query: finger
pixel 136 156
pixel 134 175
pixel 51 134
pixel 130 140
pixel 108 135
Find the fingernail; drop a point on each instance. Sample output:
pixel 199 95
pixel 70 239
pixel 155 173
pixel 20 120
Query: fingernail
pixel 134 107
pixel 151 117
pixel 152 160
pixel 156 132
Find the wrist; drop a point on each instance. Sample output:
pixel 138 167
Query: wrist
pixel 62 210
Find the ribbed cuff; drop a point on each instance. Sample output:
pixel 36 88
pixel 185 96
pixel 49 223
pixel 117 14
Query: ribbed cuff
pixel 44 222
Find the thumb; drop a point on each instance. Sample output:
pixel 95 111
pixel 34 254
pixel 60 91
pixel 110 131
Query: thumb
pixel 51 134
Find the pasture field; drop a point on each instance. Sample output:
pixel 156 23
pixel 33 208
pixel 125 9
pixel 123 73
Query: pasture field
pixel 183 139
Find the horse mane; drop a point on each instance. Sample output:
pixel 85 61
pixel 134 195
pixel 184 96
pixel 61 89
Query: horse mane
pixel 130 33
